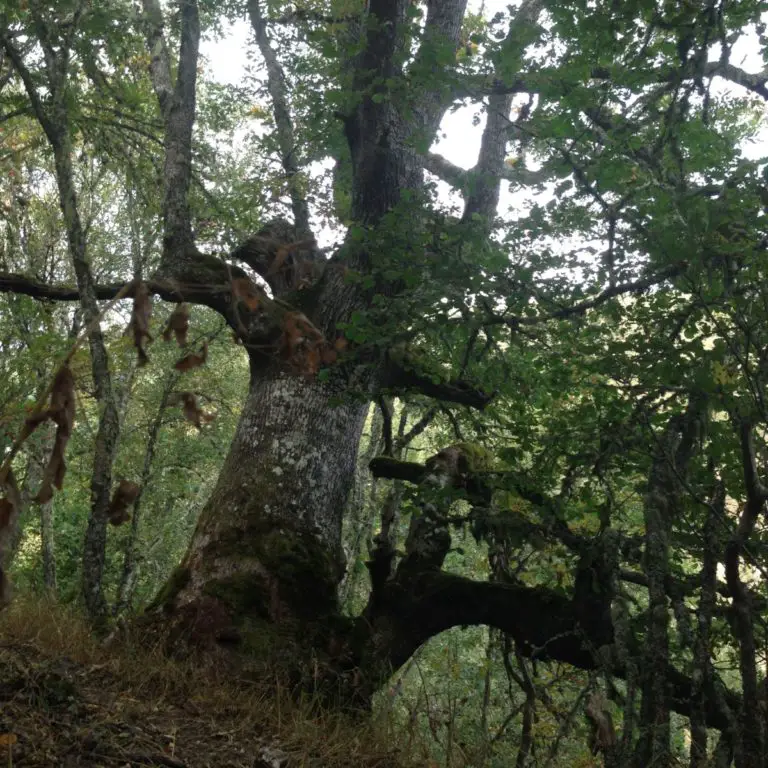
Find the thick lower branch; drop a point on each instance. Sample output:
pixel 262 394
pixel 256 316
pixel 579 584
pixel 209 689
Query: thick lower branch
pixel 545 625
pixel 211 294
pixel 407 377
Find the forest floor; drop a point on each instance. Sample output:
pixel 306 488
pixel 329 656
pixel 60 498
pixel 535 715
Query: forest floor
pixel 67 700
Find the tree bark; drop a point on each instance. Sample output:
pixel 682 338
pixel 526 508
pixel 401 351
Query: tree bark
pixel 105 446
pixel 267 547
pixel 702 659
pixel 361 508
pixel 749 746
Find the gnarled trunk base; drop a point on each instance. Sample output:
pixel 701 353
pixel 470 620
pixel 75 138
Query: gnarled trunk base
pixel 264 563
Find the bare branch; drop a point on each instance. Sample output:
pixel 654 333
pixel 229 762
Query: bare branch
pixel 483 193
pixel 285 132
pixel 215 295
pixel 399 377
pixel 460 179
pixel 755 83
pixel 29 84
pixel 574 310
pixel 160 60
pixel 757 493
pixel 178 107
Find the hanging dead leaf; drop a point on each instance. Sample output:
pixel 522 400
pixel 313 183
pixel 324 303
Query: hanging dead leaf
pixel 178 324
pixel 298 329
pixel 328 355
pixel 62 413
pixel 189 407
pixel 245 291
pixel 125 494
pixel 193 360
pixel 138 326
pixel 280 258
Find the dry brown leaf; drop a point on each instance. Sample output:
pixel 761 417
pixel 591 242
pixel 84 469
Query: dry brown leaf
pixel 192 412
pixel 138 326
pixel 188 362
pixel 178 324
pixel 244 290
pixel 125 494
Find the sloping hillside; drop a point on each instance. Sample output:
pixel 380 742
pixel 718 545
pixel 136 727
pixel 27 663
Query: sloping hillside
pixel 65 700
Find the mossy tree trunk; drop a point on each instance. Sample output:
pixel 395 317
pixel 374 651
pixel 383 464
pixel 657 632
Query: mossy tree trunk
pixel 267 547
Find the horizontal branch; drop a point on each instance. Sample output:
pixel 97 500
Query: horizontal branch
pixel 205 280
pixel 755 83
pixel 11 282
pixel 300 14
pixel 535 82
pixel 461 179
pixel 544 624
pixel 394 469
pixel 574 310
pixel 402 373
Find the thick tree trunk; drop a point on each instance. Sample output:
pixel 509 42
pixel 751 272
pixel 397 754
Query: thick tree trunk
pixel 267 548
pixel 749 745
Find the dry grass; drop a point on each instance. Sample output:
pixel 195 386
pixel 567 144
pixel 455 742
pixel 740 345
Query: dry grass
pixel 71 701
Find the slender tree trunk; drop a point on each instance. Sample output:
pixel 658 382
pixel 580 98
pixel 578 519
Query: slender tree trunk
pixel 529 709
pixel 105 447
pixel 47 545
pixel 654 746
pixel 130 561
pixel 53 115
pixel 485 736
pixel 675 447
pixel 702 661
pixel 749 747
pixel 283 122
pixel 32 478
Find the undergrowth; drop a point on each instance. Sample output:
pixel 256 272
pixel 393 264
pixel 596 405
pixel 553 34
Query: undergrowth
pixel 67 699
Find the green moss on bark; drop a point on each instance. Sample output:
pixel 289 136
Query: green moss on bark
pixel 279 565
pixel 178 579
